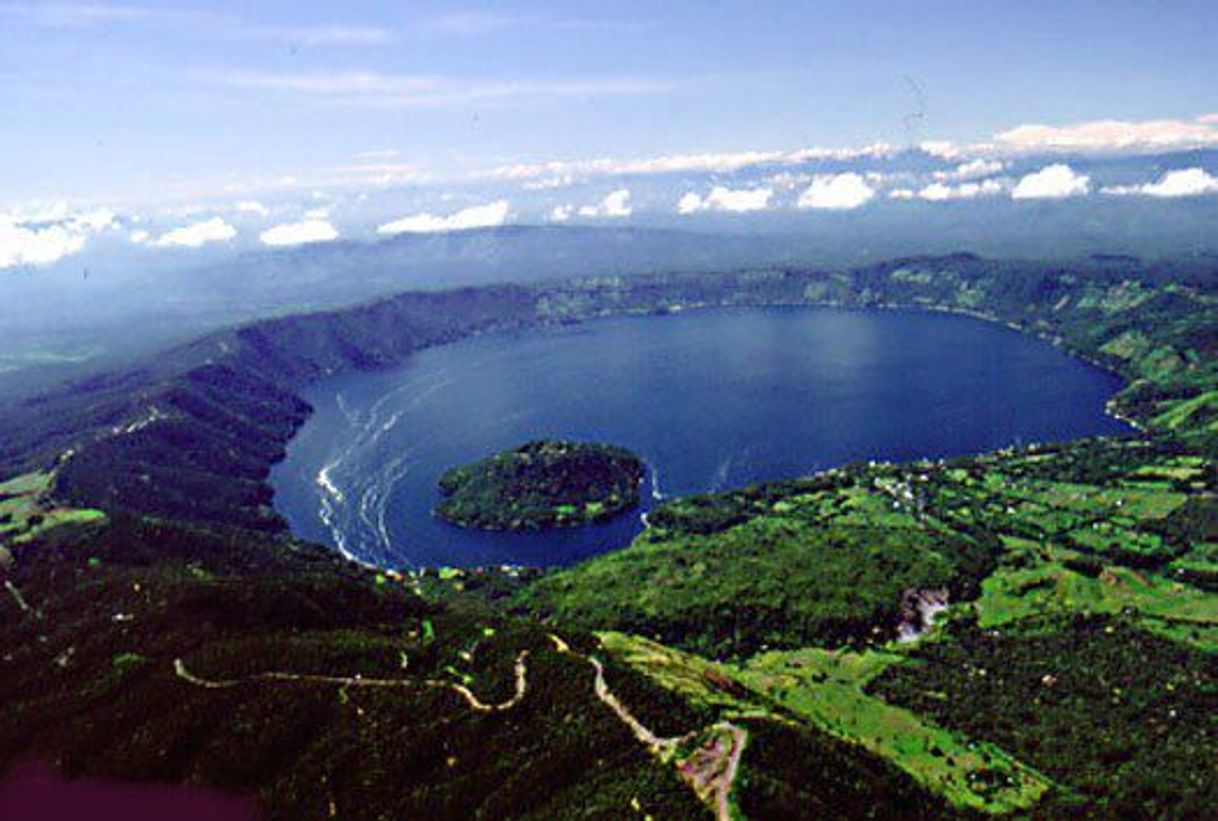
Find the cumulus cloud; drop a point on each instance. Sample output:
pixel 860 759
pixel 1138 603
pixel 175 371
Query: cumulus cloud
pixel 1186 182
pixel 1052 182
pixel 42 234
pixel 837 192
pixel 478 216
pixel 20 245
pixel 1111 135
pixel 139 236
pixel 615 204
pixel 196 234
pixel 971 170
pixel 940 148
pixel 940 192
pixel 722 198
pixel 299 233
pixel 690 203
pixel 902 194
pixel 561 213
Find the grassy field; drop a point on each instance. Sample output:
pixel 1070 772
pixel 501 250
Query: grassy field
pixel 1037 581
pixel 1028 541
pixel 26 512
pixel 1072 674
pixel 822 690
pixel 826 688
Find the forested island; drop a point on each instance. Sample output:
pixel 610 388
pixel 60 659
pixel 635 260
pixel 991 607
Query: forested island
pixel 162 625
pixel 540 485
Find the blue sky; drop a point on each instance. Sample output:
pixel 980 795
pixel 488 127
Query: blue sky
pixel 125 100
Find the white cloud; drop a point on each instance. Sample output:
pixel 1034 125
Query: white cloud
pixel 482 23
pixel 935 192
pixel 478 216
pixel 299 233
pixel 95 221
pixel 379 154
pixel 1111 135
pixel 373 90
pixel 324 35
pixel 38 212
pixel 940 148
pixel 720 162
pixel 139 236
pixel 722 198
pixel 21 245
pixel 473 23
pixel 73 15
pixel 372 173
pixel 251 207
pixel 196 234
pixel 615 204
pixel 200 23
pixel 940 192
pixel 801 155
pixel 690 203
pixel 561 213
pixel 902 194
pixel 1185 182
pixel 971 170
pixel 1208 118
pixel 549 183
pixel 838 192
pixel 42 234
pixel 1052 182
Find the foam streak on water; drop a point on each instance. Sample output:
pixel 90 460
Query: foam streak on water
pixel 710 400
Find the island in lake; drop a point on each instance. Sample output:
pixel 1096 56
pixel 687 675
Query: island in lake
pixel 542 484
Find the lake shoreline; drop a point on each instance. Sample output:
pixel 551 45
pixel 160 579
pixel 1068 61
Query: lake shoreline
pixel 518 335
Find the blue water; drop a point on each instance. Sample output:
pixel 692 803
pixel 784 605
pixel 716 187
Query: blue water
pixel 711 400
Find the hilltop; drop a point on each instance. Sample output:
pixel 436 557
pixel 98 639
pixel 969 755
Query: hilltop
pixel 542 484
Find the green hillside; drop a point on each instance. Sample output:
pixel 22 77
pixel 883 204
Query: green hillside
pixel 1030 632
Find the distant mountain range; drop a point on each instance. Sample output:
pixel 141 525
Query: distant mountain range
pixel 116 298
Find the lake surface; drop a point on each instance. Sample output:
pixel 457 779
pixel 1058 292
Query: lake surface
pixel 710 399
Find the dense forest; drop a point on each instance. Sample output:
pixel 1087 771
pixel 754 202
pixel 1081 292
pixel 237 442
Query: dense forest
pixel 542 484
pixel 764 649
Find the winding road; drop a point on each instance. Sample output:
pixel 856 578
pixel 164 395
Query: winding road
pixel 710 770
pixel 475 703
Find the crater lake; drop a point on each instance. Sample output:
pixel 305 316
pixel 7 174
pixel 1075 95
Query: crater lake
pixel 710 399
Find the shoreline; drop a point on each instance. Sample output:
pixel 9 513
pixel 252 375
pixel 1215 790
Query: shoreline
pixel 679 308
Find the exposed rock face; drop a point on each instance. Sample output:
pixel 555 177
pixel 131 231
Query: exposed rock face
pixel 918 611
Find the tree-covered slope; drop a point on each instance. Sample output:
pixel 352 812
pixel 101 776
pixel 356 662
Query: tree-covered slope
pixel 113 436
pixel 160 625
pixel 542 484
pixel 145 651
